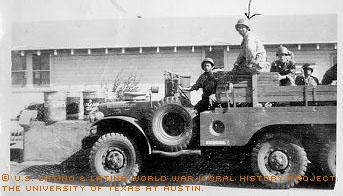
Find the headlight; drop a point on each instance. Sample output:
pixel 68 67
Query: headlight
pixel 95 115
pixel 93 130
pixel 99 115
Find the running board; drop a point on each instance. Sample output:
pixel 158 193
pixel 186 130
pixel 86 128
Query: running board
pixel 178 153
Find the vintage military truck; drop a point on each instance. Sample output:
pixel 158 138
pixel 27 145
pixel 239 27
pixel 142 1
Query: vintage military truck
pixel 286 127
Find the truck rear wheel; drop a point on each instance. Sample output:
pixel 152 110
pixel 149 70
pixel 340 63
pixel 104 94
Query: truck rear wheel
pixel 328 158
pixel 171 128
pixel 114 155
pixel 280 159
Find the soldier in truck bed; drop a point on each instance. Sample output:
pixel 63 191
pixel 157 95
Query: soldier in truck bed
pixel 285 66
pixel 307 79
pixel 330 75
pixel 253 56
pixel 208 82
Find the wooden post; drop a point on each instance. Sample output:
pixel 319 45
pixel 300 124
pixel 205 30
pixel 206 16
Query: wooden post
pixel 254 90
pixel 233 98
pixel 305 96
pixel 314 93
pixel 227 89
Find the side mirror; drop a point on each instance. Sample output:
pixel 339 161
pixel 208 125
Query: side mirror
pixel 154 89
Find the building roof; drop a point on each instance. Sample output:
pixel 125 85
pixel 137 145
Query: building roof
pixel 153 32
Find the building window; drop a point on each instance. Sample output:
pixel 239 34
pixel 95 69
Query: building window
pixel 217 54
pixel 41 70
pixel 18 70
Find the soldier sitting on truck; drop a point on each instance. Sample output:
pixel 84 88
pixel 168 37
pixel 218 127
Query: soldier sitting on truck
pixel 253 56
pixel 285 66
pixel 330 76
pixel 208 82
pixel 307 78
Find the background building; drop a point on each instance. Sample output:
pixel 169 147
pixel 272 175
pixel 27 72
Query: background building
pixel 84 55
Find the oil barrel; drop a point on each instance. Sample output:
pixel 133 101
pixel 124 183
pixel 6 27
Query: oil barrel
pixel 91 100
pixel 55 106
pixel 74 107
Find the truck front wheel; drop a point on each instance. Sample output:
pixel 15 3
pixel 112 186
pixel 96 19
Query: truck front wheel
pixel 114 155
pixel 280 160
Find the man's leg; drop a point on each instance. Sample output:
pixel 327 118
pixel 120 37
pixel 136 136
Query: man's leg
pixel 202 105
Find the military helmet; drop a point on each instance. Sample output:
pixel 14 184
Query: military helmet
pixel 207 60
pixel 308 66
pixel 282 50
pixel 244 22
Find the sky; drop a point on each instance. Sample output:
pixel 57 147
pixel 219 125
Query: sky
pixel 42 10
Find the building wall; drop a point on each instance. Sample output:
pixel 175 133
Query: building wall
pixel 82 71
pixel 79 72
pixel 103 69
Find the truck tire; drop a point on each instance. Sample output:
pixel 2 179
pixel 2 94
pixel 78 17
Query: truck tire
pixel 114 155
pixel 171 125
pixel 280 156
pixel 328 158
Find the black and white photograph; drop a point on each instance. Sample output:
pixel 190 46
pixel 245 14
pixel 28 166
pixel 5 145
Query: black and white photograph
pixel 151 97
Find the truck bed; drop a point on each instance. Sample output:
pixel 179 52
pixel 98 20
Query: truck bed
pixel 264 87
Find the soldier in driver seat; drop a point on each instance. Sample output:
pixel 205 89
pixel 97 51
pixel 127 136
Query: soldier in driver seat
pixel 208 82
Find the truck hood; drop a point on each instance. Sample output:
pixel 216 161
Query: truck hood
pixel 126 108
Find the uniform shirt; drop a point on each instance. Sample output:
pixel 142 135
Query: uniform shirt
pixel 309 81
pixel 208 82
pixel 252 51
pixel 284 69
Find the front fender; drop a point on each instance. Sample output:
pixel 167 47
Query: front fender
pixel 136 123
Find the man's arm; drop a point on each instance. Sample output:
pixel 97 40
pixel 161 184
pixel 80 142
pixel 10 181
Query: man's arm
pixel 240 59
pixel 273 67
pixel 198 83
pixel 196 86
pixel 316 79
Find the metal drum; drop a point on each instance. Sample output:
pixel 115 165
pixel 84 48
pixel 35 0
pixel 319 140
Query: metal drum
pixel 74 106
pixel 55 106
